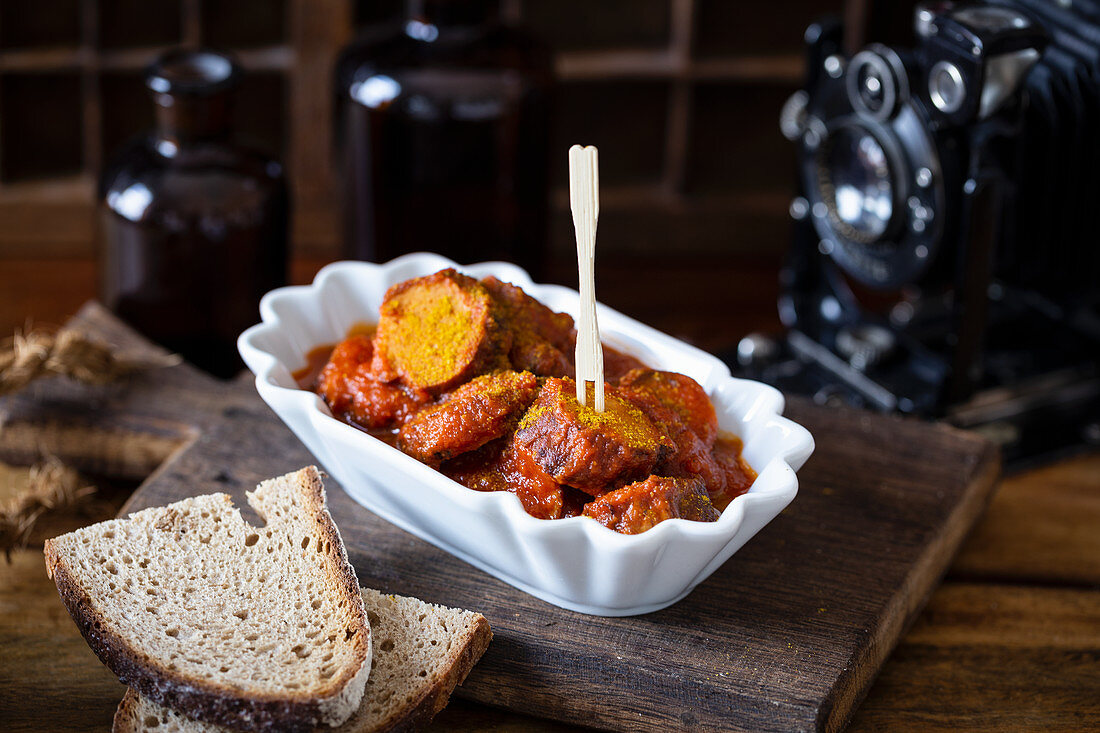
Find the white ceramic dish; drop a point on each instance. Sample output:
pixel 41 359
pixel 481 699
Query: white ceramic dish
pixel 575 563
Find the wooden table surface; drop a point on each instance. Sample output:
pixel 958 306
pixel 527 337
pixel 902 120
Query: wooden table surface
pixel 1010 641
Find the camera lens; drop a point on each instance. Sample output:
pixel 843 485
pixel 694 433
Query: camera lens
pixel 946 87
pixel 870 85
pixel 857 184
pixel 877 83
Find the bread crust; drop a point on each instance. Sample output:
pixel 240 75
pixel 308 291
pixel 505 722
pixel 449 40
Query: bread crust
pixel 418 714
pixel 201 700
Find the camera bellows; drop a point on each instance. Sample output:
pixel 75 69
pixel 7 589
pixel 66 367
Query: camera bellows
pixel 244 626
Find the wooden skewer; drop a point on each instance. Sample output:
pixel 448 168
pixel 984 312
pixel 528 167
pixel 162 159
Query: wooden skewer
pixel 584 200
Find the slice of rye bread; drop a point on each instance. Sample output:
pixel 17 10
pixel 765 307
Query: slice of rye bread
pixel 249 627
pixel 422 652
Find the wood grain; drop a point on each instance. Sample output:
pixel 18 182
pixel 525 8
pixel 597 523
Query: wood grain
pixel 788 634
pixel 971 662
pixel 319 29
pixel 993 657
pixel 49 678
pixel 1033 520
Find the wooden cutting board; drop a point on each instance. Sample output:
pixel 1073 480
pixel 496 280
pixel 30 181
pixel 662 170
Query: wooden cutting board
pixel 787 635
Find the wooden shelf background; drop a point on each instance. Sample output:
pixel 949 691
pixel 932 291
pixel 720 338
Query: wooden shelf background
pixel 682 96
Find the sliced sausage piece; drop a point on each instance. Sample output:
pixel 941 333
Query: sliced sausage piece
pixel 533 354
pixel 480 470
pixel 496 467
pixel 541 496
pixel 641 506
pixel 690 456
pixel 588 450
pixel 438 331
pixel 677 392
pixel 692 459
pixel 483 409
pixel 557 328
pixel 349 388
pixel 543 341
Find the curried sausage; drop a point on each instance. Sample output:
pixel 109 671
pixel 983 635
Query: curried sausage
pixel 438 331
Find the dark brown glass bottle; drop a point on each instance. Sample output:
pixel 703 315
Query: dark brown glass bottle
pixel 194 227
pixel 442 132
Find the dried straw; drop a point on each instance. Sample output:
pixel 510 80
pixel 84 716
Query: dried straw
pixel 26 357
pixel 53 486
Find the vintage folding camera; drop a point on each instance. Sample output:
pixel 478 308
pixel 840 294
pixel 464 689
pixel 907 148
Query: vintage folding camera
pixel 946 255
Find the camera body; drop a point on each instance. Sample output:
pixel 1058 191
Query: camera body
pixel 945 260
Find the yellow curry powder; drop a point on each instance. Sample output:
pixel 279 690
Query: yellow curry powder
pixel 533 414
pixel 619 417
pixel 434 338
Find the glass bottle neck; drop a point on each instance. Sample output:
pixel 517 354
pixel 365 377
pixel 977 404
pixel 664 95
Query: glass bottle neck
pixel 452 12
pixel 186 118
